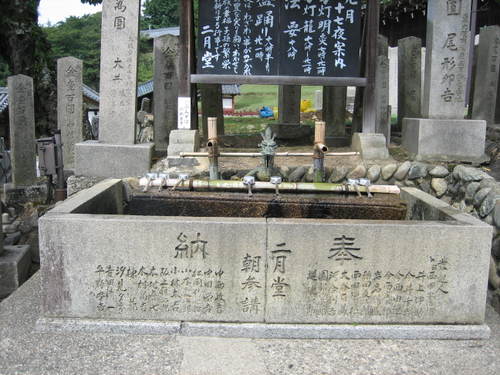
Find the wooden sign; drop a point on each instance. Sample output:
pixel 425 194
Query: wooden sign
pixel 303 38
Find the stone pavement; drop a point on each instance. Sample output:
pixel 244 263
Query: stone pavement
pixel 26 351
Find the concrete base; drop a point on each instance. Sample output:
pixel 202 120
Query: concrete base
pixel 183 141
pixel 268 331
pixel 445 140
pixel 106 160
pixel 15 264
pixel 371 146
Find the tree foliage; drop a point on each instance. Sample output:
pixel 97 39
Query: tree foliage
pixel 79 37
pixel 24 49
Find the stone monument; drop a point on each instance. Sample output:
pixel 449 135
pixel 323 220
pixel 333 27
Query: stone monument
pixel 289 104
pixel 22 130
pixel 70 106
pixel 487 75
pixel 382 114
pixel 409 78
pixel 166 89
pixel 116 154
pixel 443 134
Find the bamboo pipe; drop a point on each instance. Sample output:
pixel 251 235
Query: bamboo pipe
pixel 259 185
pixel 213 148
pixel 258 154
pixel 319 151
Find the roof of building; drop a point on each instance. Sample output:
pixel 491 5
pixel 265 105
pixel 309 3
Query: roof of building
pixel 90 93
pixel 147 88
pixel 143 89
pixel 4 96
pixel 4 99
pixel 156 33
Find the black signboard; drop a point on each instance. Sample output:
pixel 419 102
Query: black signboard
pixel 316 38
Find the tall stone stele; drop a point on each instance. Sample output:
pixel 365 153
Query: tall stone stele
pixel 116 154
pixel 22 130
pixel 409 78
pixel 487 75
pixel 166 88
pixel 442 133
pixel 70 106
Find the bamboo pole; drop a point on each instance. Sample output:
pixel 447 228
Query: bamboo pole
pixel 214 185
pixel 258 154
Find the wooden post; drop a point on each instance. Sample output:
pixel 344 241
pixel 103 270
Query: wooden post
pixel 373 18
pixel 187 106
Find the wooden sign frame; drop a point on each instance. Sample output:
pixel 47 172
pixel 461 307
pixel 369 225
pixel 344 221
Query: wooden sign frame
pixel 188 78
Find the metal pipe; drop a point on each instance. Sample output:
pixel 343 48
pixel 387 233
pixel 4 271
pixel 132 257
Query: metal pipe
pixel 260 185
pixel 258 154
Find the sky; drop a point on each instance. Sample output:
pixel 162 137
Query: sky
pixel 58 10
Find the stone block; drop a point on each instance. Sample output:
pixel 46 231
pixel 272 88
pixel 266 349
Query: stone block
pixel 183 141
pixel 15 264
pixel 109 160
pixel 371 146
pixel 362 273
pixel 199 270
pixel 448 140
pixel 23 194
pixel 430 269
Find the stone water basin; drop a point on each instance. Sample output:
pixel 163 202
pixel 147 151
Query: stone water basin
pixel 262 205
pixel 223 259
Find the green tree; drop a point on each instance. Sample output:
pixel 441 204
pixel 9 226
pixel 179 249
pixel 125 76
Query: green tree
pixel 160 13
pixel 24 49
pixel 79 37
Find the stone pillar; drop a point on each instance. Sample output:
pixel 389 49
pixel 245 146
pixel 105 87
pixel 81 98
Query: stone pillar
pixel 447 59
pixel 70 106
pixel 382 46
pixel 443 134
pixel 116 154
pixel 409 78
pixel 166 88
pixel 289 104
pixel 211 106
pixel 487 71
pixel 22 130
pixel 382 97
pixel 118 89
pixel 334 108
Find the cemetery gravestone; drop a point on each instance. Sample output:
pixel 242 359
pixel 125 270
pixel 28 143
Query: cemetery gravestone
pixel 166 88
pixel 409 78
pixel 70 106
pixel 382 97
pixel 22 130
pixel 444 134
pixel 116 154
pixel 119 53
pixel 487 75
